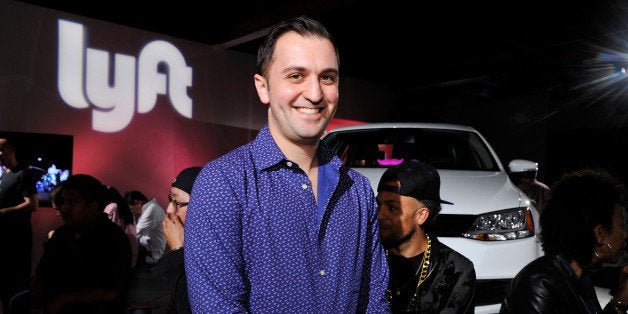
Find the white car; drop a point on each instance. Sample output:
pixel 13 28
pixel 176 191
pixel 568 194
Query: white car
pixel 491 222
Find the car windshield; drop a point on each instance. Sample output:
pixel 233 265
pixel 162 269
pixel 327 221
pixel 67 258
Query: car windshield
pixel 442 148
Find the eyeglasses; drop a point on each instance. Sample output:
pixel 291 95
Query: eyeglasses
pixel 176 203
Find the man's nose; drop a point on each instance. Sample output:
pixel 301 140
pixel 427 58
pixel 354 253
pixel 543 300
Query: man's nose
pixel 171 209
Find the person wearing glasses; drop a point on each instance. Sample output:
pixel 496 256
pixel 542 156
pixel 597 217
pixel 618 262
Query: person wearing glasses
pixel 171 266
pixel 150 235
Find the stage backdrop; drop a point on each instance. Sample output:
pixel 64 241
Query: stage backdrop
pixel 139 106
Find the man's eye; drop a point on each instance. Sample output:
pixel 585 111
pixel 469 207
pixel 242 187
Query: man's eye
pixel 328 79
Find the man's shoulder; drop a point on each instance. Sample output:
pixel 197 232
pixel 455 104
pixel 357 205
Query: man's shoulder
pixel 152 210
pixel 111 228
pixel 227 160
pixel 455 255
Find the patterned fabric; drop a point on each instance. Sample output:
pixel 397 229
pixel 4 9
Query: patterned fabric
pixel 448 288
pixel 254 241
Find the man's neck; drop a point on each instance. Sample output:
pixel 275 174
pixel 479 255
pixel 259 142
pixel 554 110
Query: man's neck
pixel 303 153
pixel 10 164
pixel 413 247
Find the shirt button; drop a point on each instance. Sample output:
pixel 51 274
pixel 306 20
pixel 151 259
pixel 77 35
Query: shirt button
pixel 304 186
pixel 322 272
pixel 289 163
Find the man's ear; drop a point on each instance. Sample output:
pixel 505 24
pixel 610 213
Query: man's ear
pixel 421 215
pixel 600 234
pixel 261 85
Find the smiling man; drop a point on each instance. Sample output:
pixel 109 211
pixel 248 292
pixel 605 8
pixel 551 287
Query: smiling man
pixel 279 225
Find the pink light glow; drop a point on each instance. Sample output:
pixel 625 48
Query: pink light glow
pixel 389 162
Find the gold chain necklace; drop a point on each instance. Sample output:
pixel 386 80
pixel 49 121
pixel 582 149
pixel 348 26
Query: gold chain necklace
pixel 424 268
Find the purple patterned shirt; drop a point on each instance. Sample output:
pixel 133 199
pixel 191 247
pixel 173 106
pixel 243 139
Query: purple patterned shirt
pixel 257 241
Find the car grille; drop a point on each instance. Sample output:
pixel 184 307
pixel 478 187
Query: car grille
pixel 490 291
pixel 451 225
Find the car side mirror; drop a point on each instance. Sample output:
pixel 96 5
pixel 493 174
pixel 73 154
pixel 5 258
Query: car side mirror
pixel 522 165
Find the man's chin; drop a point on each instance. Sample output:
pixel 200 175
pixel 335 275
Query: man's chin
pixel 389 244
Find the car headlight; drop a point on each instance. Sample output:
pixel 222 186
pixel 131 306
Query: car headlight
pixel 509 224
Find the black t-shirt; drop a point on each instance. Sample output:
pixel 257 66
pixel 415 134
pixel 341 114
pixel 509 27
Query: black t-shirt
pixel 404 276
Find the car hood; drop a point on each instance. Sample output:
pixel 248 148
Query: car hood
pixel 472 192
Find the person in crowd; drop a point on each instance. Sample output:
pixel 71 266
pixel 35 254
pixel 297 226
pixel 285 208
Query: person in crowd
pixel 581 228
pixel 536 190
pixel 118 211
pixel 85 267
pixel 279 224
pixel 171 266
pixel 150 235
pixel 53 195
pixel 18 199
pixel 426 276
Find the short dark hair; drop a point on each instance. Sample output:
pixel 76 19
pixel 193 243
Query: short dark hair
pixel 580 200
pixel 8 141
pixel 131 196
pixel 88 188
pixel 112 195
pixel 302 25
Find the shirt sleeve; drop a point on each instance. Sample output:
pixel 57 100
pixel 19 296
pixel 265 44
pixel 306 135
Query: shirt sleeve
pixel 214 264
pixel 379 273
pixel 146 222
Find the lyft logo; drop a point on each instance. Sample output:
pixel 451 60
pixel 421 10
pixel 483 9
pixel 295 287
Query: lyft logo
pixel 84 79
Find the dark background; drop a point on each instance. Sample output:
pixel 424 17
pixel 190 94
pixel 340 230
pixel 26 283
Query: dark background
pixel 546 75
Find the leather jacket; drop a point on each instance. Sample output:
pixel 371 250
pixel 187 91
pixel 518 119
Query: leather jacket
pixel 448 288
pixel 549 285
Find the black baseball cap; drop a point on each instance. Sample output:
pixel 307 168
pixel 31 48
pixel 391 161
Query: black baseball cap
pixel 418 179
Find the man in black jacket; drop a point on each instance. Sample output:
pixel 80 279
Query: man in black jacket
pixel 171 266
pixel 425 275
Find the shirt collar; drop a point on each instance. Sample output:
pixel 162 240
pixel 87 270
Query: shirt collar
pixel 267 154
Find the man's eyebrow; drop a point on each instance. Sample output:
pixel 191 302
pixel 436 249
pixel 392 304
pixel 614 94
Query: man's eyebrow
pixel 331 70
pixel 302 69
pixel 394 202
pixel 293 68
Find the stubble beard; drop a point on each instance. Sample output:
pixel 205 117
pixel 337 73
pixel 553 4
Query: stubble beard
pixel 396 241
